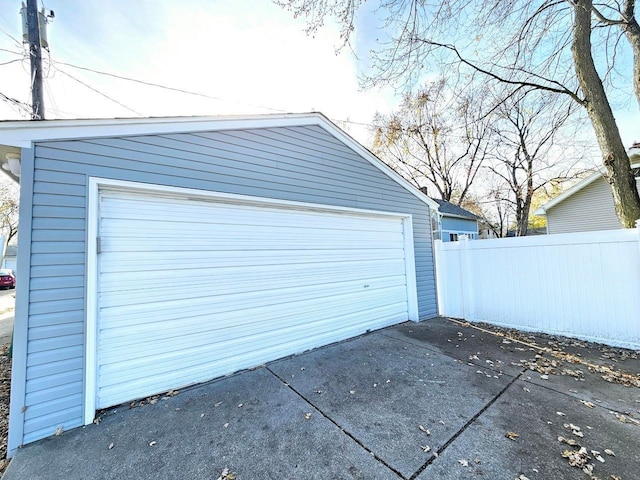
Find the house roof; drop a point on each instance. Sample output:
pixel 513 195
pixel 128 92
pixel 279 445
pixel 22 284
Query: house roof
pixel 23 134
pixel 449 209
pixel 542 210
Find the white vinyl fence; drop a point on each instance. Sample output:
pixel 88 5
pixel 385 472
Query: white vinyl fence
pixel 582 285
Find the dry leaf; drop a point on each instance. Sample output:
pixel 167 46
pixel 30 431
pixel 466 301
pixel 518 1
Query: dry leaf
pixel 560 413
pixel 568 441
pixel 464 463
pixel 59 430
pixel 425 448
pixel 352 392
pixel 217 404
pixel 151 444
pixel 240 405
pixel 424 430
pixel 227 475
pixel 609 452
pixel 511 435
pixel 111 445
pixel 522 477
pixel 307 416
pixel 587 404
pixel 544 377
pixel 226 425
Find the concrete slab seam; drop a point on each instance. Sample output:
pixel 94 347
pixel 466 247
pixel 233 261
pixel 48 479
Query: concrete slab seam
pixel 463 428
pixel 326 416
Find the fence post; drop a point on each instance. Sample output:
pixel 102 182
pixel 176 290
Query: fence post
pixel 441 282
pixel 466 279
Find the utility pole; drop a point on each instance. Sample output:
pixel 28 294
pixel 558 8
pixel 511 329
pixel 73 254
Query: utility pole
pixel 35 54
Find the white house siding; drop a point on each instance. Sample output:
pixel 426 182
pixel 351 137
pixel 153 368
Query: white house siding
pixel 586 210
pixel 303 164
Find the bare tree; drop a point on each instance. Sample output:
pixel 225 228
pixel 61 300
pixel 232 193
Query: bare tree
pixel 435 137
pixel 528 127
pixel 9 206
pixel 557 46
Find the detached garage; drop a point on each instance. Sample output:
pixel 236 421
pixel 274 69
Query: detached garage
pixel 159 253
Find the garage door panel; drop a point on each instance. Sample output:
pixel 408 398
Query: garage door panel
pixel 264 317
pixel 190 356
pixel 197 279
pixel 242 294
pixel 189 290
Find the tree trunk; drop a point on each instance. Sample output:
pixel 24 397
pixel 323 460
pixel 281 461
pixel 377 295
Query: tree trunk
pixel 616 160
pixel 632 30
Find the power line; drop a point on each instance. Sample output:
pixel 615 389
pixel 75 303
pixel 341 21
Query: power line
pixel 11 51
pixel 99 92
pixel 11 61
pixel 18 42
pixel 17 103
pixel 157 85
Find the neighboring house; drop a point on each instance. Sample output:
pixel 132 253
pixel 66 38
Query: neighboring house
pixel 453 221
pixel 587 206
pixel 158 253
pixel 10 257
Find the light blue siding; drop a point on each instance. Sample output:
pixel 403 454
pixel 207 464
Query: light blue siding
pixel 304 164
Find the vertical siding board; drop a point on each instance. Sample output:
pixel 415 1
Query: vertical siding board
pixel 277 163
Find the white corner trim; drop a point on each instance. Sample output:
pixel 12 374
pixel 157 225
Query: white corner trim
pixel 91 333
pixel 410 269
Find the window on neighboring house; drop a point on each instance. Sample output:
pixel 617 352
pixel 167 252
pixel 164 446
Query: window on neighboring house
pixel 453 237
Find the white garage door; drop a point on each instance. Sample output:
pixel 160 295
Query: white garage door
pixel 190 289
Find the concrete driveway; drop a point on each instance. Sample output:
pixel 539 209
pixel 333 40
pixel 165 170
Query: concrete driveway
pixel 435 400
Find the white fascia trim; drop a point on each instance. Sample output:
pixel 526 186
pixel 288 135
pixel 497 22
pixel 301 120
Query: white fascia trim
pixel 24 133
pixel 542 210
pixel 376 162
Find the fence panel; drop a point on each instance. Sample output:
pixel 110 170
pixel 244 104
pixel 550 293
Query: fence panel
pixel 583 285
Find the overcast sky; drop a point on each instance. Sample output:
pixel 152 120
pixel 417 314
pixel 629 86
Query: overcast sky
pixel 250 55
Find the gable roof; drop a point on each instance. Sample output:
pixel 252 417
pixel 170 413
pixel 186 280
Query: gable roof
pixel 542 210
pixel 24 133
pixel 449 209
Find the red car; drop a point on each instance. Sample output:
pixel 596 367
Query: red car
pixel 7 279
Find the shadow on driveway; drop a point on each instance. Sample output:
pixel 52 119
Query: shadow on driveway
pixel 415 401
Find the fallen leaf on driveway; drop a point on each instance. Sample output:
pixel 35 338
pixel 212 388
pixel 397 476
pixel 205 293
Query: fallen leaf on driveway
pixel 522 477
pixel 352 392
pixel 425 448
pixel 511 435
pixel 424 430
pixel 227 475
pixel 544 377
pixel 464 463
pixel 153 444
pixel 587 404
pixel 560 413
pixel 111 445
pixel 609 452
pixel 307 416
pixel 568 441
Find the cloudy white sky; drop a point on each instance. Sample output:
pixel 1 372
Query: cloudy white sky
pixel 250 55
